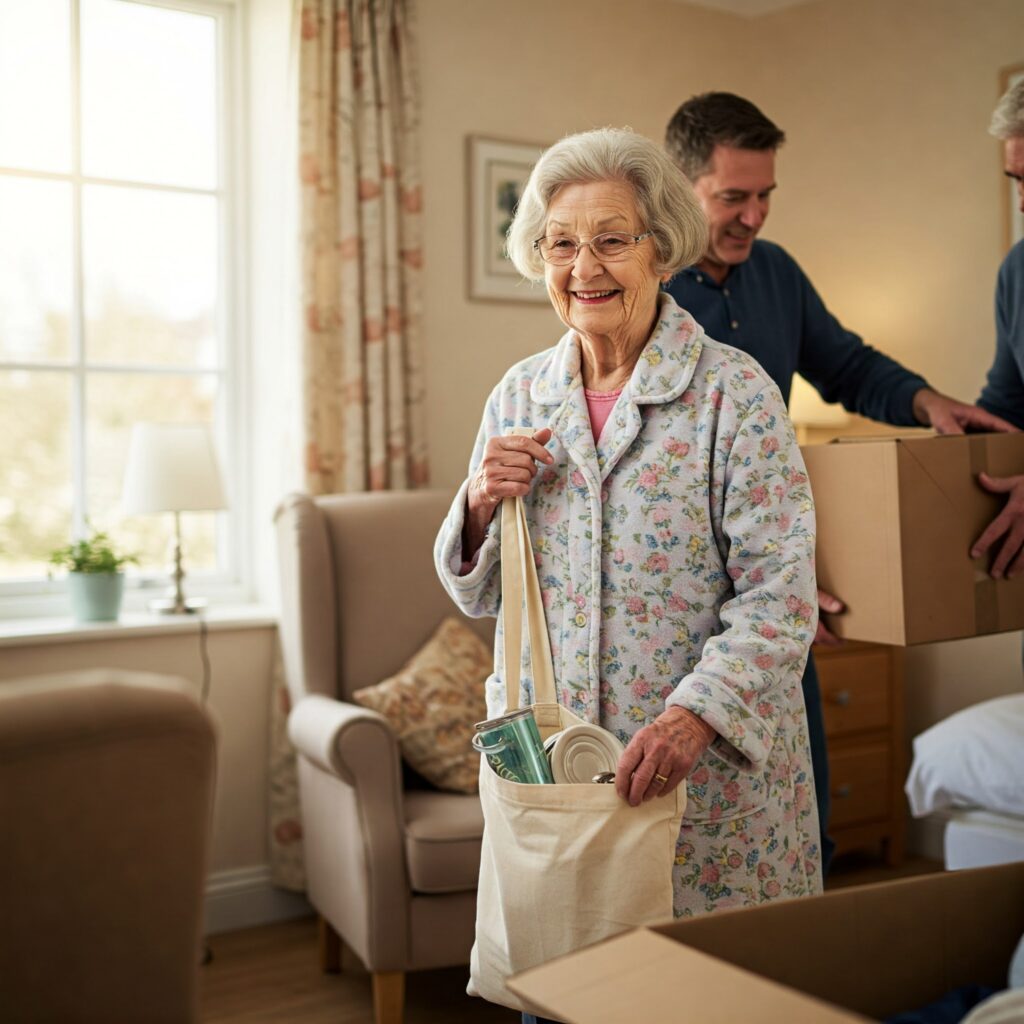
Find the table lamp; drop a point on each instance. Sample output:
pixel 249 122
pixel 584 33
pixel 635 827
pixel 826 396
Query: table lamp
pixel 172 467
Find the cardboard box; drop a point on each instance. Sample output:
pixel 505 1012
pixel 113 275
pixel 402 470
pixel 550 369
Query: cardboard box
pixel 896 521
pixel 856 954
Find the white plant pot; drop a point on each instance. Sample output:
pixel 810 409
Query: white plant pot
pixel 95 596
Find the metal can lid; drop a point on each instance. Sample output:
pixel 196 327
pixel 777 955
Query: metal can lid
pixel 511 716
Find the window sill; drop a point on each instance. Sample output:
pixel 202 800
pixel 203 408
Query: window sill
pixel 218 618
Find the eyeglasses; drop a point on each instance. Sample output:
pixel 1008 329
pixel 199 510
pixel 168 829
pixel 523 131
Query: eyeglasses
pixel 609 247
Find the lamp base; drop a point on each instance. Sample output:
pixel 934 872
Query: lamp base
pixel 169 606
pixel 175 602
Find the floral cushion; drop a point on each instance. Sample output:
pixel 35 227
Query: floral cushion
pixel 434 701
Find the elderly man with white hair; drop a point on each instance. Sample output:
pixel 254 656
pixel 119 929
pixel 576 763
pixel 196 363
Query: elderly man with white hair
pixel 1003 393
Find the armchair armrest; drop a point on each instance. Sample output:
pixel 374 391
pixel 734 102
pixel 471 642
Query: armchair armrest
pixel 342 738
pixel 353 825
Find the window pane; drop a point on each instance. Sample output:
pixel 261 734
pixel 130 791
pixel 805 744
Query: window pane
pixel 35 85
pixel 35 469
pixel 149 93
pixel 35 270
pixel 150 276
pixel 116 401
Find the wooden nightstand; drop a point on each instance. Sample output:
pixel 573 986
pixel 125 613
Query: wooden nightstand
pixel 862 700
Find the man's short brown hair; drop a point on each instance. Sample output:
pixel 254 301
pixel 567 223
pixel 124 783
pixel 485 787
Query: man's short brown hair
pixel 717 119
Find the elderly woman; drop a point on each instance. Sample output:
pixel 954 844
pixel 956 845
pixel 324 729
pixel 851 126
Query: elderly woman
pixel 671 521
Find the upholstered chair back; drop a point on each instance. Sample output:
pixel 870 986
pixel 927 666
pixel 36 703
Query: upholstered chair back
pixel 106 794
pixel 359 588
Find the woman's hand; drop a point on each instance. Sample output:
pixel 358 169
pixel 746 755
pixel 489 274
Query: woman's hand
pixel 661 755
pixel 506 470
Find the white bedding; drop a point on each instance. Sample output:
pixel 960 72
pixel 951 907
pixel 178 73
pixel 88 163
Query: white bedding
pixel 976 838
pixel 973 759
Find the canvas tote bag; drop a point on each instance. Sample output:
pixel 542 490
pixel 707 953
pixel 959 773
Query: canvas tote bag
pixel 561 866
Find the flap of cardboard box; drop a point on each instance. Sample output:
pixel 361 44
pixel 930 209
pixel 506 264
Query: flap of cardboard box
pixel 644 976
pixel 873 950
pixel 944 510
pixel 936 486
pixel 909 434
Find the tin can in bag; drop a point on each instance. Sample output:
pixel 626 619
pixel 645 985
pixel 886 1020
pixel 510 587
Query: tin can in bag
pixel 513 747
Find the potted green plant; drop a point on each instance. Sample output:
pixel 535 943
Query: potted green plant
pixel 95 576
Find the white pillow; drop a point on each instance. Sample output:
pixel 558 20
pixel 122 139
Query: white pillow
pixel 974 758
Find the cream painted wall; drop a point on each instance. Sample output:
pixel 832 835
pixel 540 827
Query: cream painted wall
pixel 240 661
pixel 533 72
pixel 890 189
pixel 943 678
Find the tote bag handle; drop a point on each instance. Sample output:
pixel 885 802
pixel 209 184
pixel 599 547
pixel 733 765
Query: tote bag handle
pixel 519 587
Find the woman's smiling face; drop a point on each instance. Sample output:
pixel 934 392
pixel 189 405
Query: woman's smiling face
pixel 602 300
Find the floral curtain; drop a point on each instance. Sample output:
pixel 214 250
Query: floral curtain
pixel 361 263
pixel 361 202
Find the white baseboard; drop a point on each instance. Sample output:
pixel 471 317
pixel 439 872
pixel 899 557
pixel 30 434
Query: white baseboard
pixel 245 898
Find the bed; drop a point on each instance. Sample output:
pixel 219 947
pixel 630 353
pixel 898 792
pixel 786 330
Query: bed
pixel 975 838
pixel 969 768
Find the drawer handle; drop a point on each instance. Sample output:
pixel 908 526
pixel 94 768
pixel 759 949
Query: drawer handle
pixel 842 698
pixel 843 791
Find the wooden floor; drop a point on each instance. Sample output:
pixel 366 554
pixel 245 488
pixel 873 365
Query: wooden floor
pixel 272 974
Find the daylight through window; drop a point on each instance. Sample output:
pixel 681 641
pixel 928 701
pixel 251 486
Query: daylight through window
pixel 114 265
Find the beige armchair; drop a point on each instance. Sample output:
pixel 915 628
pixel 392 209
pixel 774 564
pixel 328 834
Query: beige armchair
pixel 391 866
pixel 106 790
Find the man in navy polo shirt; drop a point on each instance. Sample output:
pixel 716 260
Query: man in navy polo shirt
pixel 752 294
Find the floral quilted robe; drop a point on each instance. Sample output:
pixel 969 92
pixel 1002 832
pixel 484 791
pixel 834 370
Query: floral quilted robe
pixel 676 561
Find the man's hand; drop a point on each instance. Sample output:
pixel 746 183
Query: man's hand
pixel 823 635
pixel 946 415
pixel 1010 522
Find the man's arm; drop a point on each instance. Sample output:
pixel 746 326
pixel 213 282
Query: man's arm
pixel 1003 393
pixel 843 369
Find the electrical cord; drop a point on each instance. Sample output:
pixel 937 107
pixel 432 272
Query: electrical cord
pixel 206 953
pixel 204 657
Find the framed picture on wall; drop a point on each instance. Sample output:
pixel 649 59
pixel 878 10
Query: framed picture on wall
pixel 497 171
pixel 1014 218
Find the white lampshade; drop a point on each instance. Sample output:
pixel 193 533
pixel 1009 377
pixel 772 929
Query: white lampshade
pixel 172 467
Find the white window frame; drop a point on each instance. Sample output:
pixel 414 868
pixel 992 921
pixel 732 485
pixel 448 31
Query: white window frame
pixel 233 582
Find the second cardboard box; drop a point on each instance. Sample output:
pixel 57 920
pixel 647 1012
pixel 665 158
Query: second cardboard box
pixel 896 521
